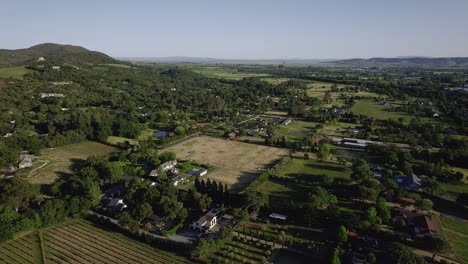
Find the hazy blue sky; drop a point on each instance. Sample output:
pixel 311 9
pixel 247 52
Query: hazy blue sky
pixel 242 29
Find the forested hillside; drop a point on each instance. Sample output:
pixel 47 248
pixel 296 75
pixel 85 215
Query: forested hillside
pixel 72 54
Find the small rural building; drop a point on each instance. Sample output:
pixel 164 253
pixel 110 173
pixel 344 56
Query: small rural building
pixel 205 223
pixel 154 173
pixel 286 122
pixel 41 59
pixel 161 133
pixel 26 160
pixel 169 166
pixel 278 216
pixel 178 180
pixel 45 95
pixel 116 204
pixel 420 225
pixel 199 172
pixel 410 182
pixel 55 67
pixel 231 136
pixel 8 172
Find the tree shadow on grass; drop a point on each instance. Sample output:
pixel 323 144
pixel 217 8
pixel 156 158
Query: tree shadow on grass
pixel 325 167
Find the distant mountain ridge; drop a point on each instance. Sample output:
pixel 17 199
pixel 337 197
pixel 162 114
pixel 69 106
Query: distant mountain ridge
pixel 181 59
pixel 450 62
pixel 70 53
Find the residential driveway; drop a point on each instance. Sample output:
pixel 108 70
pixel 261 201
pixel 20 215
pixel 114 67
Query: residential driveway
pixel 176 238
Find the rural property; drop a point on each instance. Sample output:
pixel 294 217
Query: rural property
pixel 236 163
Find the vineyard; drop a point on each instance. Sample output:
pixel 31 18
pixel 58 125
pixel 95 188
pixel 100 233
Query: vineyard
pixel 26 249
pixel 81 242
pixel 56 162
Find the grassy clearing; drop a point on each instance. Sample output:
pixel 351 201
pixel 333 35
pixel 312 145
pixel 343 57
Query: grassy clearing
pixel 236 163
pixel 456 233
pixel 455 225
pixel 310 168
pixel 117 65
pixel 453 189
pixel 374 110
pixel 13 72
pixel 119 140
pixel 275 81
pixel 59 161
pixel 216 72
pixel 296 130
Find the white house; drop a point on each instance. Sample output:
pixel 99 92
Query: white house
pixel 55 67
pixel 25 160
pixel 199 172
pixel 45 95
pixel 41 59
pixel 169 166
pixel 206 222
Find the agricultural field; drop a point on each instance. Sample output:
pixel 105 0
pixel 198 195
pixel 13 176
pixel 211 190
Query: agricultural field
pixel 57 162
pixel 13 72
pixel 456 233
pixel 372 109
pixel 216 72
pixel 236 163
pixel 81 242
pixel 24 249
pixel 240 251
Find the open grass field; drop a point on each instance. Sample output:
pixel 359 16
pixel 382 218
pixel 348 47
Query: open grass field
pixel 13 72
pixel 296 130
pixel 297 167
pixel 216 72
pixel 236 163
pixel 57 162
pixel 372 109
pixel 456 233
pixel 80 241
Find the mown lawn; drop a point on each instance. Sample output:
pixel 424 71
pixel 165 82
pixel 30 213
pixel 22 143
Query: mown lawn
pixel 298 167
pixel 372 109
pixel 457 235
pixel 296 130
pixel 455 225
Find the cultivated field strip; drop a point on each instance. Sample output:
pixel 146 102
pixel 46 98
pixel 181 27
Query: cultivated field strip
pixel 23 250
pixel 81 242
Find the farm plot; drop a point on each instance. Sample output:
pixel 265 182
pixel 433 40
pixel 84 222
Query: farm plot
pixel 82 242
pixel 236 164
pixel 25 249
pixel 57 162
pixel 456 233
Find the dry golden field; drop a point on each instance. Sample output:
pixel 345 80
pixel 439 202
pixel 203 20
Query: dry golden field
pixel 236 163
pixel 56 162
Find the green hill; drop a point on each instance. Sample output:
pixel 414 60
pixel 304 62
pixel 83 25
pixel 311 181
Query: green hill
pixel 73 54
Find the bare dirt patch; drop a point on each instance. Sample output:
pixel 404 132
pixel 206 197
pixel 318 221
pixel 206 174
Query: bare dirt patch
pixel 236 163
